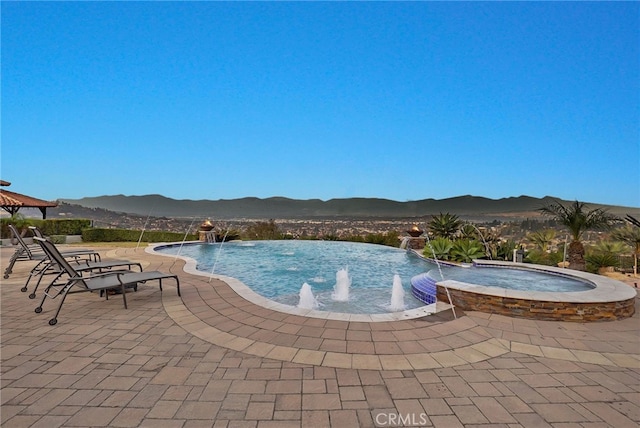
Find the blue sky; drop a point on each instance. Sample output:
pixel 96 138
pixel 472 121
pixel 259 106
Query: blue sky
pixel 404 101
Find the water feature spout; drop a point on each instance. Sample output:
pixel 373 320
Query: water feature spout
pixel 218 256
pixel 144 228
pixel 487 249
pixel 183 240
pixel 404 245
pixel 307 299
pixel 397 295
pixel 441 275
pixel 341 289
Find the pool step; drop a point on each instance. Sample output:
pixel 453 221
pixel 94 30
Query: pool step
pixel 424 288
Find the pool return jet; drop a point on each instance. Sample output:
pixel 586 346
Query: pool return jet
pixel 218 254
pixel 453 309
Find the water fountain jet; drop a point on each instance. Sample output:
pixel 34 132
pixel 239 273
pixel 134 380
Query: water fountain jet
pixel 397 295
pixel 307 299
pixel 341 289
pixel 487 248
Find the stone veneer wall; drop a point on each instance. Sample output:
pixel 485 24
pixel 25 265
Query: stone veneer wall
pixel 539 310
pixel 417 243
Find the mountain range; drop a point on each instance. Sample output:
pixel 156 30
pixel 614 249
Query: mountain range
pixel 280 207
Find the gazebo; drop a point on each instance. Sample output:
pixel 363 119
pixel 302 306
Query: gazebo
pixel 11 202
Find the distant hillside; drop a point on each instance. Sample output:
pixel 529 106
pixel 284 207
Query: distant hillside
pixel 279 207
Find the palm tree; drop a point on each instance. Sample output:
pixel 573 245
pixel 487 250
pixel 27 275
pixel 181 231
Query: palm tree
pixel 630 235
pixel 605 254
pixel 540 254
pixel 444 225
pixel 504 250
pixel 542 239
pixel 578 219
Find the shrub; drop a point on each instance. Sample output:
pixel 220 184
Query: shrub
pixel 440 248
pixel 540 257
pixel 126 235
pixel 58 239
pixel 62 226
pixel 597 260
pixel 18 220
pixel 466 250
pixel 505 250
pixel 390 239
pixel 49 227
pixel 263 230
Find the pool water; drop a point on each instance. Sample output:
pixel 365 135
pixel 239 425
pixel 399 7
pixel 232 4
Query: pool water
pixel 278 269
pixel 514 279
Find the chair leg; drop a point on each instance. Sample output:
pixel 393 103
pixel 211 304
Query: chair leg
pixel 46 291
pixel 36 271
pixel 33 293
pixel 26 284
pixel 44 296
pixel 9 268
pixel 64 292
pixel 14 258
pixel 124 295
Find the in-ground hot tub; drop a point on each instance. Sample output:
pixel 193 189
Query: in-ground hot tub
pixel 600 299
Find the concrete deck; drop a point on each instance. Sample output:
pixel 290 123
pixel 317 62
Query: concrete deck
pixel 212 358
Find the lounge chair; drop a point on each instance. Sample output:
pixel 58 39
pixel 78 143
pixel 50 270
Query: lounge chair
pixel 82 266
pixel 99 282
pixel 25 252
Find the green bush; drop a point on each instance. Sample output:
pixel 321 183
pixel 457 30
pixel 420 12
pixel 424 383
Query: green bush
pixel 58 239
pixel 466 250
pixel 598 260
pixel 126 235
pixel 504 251
pixel 18 220
pixel 390 239
pixel 540 257
pixel 62 226
pixel 263 230
pixel 439 247
pixel 48 227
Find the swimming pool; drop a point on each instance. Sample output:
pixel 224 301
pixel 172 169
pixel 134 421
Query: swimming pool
pixel 275 273
pixel 277 270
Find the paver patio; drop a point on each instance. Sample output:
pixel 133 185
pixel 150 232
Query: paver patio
pixel 213 359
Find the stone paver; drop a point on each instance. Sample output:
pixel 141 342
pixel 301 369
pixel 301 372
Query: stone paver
pixel 211 358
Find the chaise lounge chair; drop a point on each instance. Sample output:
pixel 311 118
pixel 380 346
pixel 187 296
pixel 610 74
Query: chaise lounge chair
pixel 81 266
pixel 99 282
pixel 25 252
